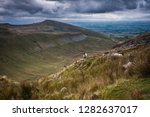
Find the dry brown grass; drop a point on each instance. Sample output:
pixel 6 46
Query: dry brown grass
pixel 142 66
pixel 9 89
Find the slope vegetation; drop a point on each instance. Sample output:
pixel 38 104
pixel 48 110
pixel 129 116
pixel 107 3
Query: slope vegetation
pixel 102 77
pixel 121 73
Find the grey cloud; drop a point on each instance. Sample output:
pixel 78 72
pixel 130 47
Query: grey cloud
pixel 63 7
pixel 15 6
pixel 101 6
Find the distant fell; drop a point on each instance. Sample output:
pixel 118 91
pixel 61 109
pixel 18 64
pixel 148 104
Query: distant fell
pixel 47 26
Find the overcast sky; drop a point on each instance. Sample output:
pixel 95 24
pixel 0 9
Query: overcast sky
pixel 26 11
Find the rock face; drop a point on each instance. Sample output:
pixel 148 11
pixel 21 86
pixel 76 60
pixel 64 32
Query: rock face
pixel 139 40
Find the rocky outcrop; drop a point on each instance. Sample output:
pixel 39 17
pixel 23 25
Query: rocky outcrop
pixel 139 40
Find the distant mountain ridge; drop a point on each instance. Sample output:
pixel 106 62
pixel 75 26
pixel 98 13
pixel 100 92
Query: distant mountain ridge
pixel 47 26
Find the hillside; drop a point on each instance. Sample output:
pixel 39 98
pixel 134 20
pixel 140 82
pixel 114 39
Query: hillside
pixel 35 50
pixel 120 73
pixel 104 75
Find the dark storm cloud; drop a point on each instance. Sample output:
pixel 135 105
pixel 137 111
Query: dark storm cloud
pixel 62 8
pixel 28 7
pixel 23 5
pixel 101 6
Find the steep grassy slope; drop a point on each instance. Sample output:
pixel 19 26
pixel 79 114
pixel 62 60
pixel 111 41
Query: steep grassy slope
pixel 100 76
pixel 32 51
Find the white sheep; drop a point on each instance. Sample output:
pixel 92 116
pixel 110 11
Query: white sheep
pixel 116 55
pixel 85 55
pixel 63 90
pixel 128 65
pixel 4 76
